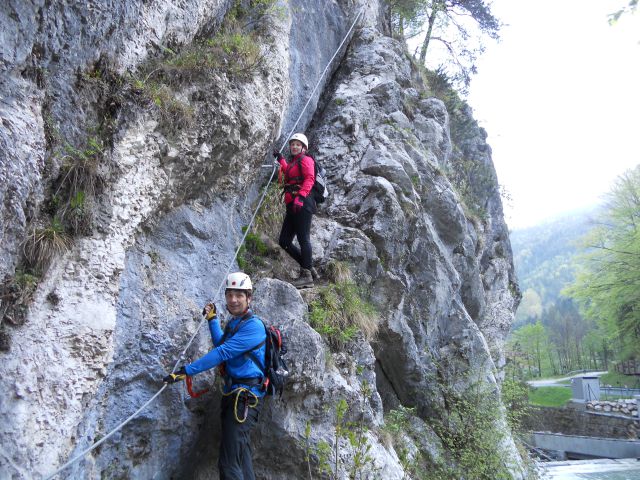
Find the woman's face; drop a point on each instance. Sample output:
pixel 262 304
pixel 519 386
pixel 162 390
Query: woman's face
pixel 296 147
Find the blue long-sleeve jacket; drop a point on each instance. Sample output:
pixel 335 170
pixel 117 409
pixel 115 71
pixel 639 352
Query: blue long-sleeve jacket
pixel 250 334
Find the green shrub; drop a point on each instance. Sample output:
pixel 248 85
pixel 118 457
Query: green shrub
pixel 396 421
pixel 172 110
pixel 230 51
pixel 78 183
pixel 80 169
pixel 16 294
pixel 25 279
pixel 397 432
pixel 252 254
pixel 472 435
pixel 328 461
pixel 78 215
pixel 515 397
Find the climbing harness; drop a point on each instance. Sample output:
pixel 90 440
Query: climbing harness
pixel 319 191
pixel 245 392
pixel 231 264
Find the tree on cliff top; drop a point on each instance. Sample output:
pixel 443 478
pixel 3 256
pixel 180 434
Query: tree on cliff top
pixel 456 25
pixel 630 8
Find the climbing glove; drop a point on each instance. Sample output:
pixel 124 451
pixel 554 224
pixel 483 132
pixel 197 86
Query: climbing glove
pixel 177 376
pixel 277 155
pixel 209 311
pixel 297 204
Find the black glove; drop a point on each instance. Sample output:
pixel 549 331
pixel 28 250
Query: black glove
pixel 209 311
pixel 277 155
pixel 177 376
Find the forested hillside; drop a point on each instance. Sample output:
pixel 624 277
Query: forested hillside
pixel 544 261
pixel 592 258
pixel 549 335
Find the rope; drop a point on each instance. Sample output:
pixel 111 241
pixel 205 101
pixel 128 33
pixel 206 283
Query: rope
pixel 231 264
pixel 239 391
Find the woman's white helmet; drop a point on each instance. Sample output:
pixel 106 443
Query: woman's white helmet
pixel 238 281
pixel 302 138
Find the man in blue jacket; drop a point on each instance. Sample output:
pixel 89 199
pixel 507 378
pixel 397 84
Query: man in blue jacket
pixel 237 350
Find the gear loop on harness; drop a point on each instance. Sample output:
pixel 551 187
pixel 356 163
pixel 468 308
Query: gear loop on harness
pixel 239 391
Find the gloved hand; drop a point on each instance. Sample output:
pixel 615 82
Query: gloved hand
pixel 177 376
pixel 297 203
pixel 209 311
pixel 277 155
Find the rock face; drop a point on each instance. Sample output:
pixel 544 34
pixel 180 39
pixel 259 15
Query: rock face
pixel 114 313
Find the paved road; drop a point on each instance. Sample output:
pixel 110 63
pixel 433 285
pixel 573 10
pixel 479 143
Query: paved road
pixel 555 382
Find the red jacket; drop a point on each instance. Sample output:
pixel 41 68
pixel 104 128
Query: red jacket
pixel 304 177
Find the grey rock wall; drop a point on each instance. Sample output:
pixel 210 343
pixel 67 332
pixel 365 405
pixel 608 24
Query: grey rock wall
pixel 44 48
pixel 169 221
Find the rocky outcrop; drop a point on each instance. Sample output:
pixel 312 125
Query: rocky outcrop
pixel 46 46
pixel 170 216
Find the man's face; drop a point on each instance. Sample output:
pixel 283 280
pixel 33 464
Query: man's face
pixel 296 147
pixel 237 301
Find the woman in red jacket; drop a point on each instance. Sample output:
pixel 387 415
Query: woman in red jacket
pixel 298 174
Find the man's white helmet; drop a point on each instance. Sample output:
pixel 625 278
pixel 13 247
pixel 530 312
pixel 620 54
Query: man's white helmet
pixel 301 137
pixel 238 281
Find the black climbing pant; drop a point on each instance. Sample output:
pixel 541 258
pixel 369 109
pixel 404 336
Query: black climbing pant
pixel 235 461
pixel 297 225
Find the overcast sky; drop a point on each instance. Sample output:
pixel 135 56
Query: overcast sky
pixel 560 99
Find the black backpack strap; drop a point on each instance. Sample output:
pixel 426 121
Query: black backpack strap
pixel 251 352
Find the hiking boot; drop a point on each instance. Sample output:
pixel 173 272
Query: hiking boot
pixel 314 274
pixel 305 280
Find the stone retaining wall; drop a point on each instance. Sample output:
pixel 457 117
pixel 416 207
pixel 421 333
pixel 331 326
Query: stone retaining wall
pixel 573 420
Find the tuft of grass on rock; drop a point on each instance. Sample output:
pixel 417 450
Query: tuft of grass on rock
pixel 44 243
pixel 340 311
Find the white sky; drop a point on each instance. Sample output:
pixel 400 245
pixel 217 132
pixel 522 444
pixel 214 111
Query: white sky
pixel 560 99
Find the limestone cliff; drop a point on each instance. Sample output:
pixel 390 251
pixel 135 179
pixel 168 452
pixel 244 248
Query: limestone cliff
pixel 178 176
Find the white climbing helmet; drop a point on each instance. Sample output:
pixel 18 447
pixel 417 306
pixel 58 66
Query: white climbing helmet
pixel 238 281
pixel 302 138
